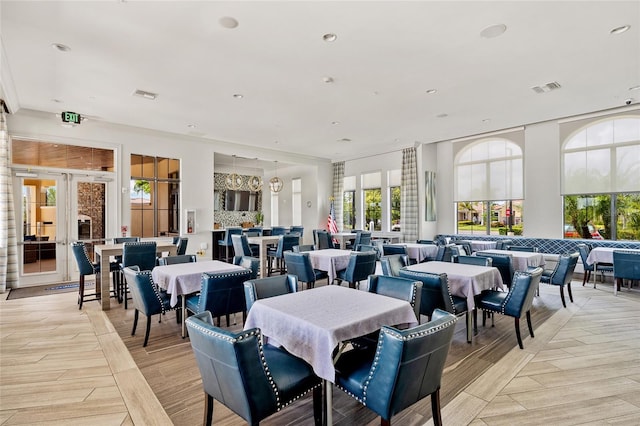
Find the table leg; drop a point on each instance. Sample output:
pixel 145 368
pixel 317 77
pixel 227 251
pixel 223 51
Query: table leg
pixel 104 283
pixel 263 259
pixel 184 314
pixel 328 406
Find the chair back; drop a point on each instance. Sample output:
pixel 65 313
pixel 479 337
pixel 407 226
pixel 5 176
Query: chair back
pixel 584 250
pixel 388 249
pixel 248 262
pixel 144 291
pixel 142 254
pixel 435 291
pixel 256 230
pixel 120 240
pixel 322 239
pixel 392 264
pixel 227 241
pixel 172 260
pixel 626 265
pixel 466 245
pixel 527 249
pixel 522 291
pixel 409 364
pixel 241 245
pixel 445 253
pixel 360 266
pixel 263 288
pixel 473 260
pixel 299 264
pixel 398 288
pixel 278 230
pixel 297 230
pixel 231 367
pixel 504 263
pixel 182 246
pixel 222 293
pixel 85 267
pixel 425 242
pixel 369 247
pixel 303 247
pixel 286 243
pixel 503 244
pixel 564 270
pixel 362 237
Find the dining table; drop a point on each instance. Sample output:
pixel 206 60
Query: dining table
pixel 181 279
pixel 104 251
pixel 263 243
pixel 465 280
pixel 522 260
pixel 313 324
pixel 343 237
pixel 604 255
pixel 330 260
pixel 419 252
pixel 479 245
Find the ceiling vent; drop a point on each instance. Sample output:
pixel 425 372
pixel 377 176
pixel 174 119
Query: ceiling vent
pixel 146 95
pixel 546 87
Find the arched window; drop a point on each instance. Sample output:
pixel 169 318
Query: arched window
pixel 601 180
pixel 488 187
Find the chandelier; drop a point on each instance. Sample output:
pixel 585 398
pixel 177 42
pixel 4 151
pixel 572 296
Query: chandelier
pixel 275 183
pixel 233 181
pixel 255 181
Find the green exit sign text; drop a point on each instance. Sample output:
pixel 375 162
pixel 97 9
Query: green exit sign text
pixel 71 117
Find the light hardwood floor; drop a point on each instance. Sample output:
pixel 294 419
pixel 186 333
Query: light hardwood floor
pixel 59 365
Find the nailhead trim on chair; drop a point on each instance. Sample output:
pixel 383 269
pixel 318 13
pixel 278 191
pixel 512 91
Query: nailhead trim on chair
pixel 250 333
pixel 155 289
pixel 206 275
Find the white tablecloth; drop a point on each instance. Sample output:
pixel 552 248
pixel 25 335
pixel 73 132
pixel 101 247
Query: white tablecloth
pixel 184 278
pixel 521 259
pixel 604 254
pixel 464 280
pixel 330 260
pixel 311 323
pixel 419 252
pixel 478 245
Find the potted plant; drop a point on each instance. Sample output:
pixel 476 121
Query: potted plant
pixel 259 218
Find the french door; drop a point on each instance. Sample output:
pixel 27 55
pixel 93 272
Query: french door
pixel 53 210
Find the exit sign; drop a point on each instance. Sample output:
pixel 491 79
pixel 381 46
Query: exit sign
pixel 71 117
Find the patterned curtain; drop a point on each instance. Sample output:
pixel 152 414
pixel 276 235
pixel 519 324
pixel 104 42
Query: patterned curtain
pixel 8 243
pixel 338 189
pixel 409 195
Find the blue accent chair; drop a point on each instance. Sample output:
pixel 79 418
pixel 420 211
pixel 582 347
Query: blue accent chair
pixel 626 266
pixel 392 264
pixel 241 246
pixel 285 243
pixel 227 243
pixel 248 262
pixel 504 263
pixel 299 264
pixel 562 274
pixel 584 250
pixel 172 260
pixel 86 267
pixel 405 367
pixel 141 254
pixel 181 246
pixel 322 239
pixel 515 303
pixel 263 288
pixel 473 260
pixel 360 266
pixel 251 379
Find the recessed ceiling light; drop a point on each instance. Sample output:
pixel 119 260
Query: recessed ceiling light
pixel 144 94
pixel 335 123
pixel 238 96
pixel 344 140
pixel 620 30
pixel 91 98
pixel 58 101
pixel 486 120
pixel 327 79
pixel 191 126
pixel 443 115
pixel 634 88
pixel 432 91
pixel 329 37
pixel 228 22
pixel 493 31
pixel 60 47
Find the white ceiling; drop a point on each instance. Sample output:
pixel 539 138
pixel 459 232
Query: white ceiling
pixel 386 56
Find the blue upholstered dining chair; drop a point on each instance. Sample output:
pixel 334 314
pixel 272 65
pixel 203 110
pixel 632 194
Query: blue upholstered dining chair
pixel 86 267
pixel 515 303
pixel 181 246
pixel 303 247
pixel 504 263
pixel 406 366
pixel 221 293
pixel 360 266
pixel 503 244
pixel 227 243
pixel 473 260
pixel 147 297
pixel 241 246
pixel 299 264
pixel 562 274
pixel 248 262
pixel 322 239
pixel 172 260
pixel 528 249
pixel 436 294
pixel 297 230
pixel 141 254
pixel 584 250
pixel 263 288
pixel 285 244
pixel 278 230
pixel 392 264
pixel 250 378
pixel 626 266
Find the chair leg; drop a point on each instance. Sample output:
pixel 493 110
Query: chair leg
pixel 146 334
pixel 317 405
pixel 569 291
pixel 517 322
pixel 208 409
pixel 435 408
pixel 562 297
pixel 469 319
pixel 135 322
pixel 529 323
pixel 81 291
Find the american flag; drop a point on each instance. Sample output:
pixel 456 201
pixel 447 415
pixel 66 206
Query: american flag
pixel 331 220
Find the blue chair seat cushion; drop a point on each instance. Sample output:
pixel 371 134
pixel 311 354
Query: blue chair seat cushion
pixel 353 367
pixel 192 302
pixel 492 300
pixel 459 304
pixel 292 374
